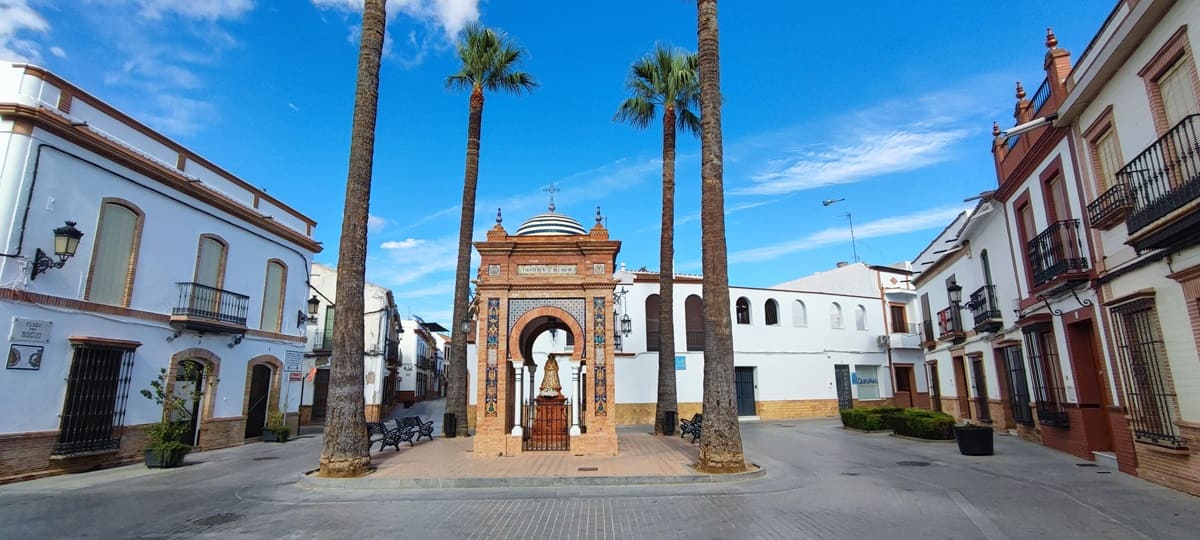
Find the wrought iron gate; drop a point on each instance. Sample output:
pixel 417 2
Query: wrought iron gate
pixel 548 427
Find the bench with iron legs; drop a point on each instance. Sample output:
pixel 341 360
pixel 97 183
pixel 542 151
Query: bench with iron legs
pixel 424 429
pixel 691 427
pixel 390 433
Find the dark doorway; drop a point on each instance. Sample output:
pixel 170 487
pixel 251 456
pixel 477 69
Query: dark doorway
pixel 960 387
pixel 320 395
pixel 935 387
pixel 1090 385
pixel 189 377
pixel 841 374
pixel 743 380
pixel 260 389
pixel 904 384
pixel 981 392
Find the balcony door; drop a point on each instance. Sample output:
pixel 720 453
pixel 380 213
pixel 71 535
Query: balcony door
pixel 210 272
pixel 1057 208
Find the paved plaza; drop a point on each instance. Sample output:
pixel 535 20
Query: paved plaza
pixel 820 482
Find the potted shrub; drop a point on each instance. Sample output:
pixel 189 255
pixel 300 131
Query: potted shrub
pixel 973 440
pixel 166 439
pixel 276 429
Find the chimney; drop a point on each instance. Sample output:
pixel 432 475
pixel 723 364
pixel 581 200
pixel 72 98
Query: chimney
pixel 841 264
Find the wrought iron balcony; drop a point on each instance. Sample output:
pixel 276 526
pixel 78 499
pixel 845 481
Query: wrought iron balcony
pixel 209 309
pixel 391 351
pixel 1111 207
pixel 950 324
pixel 323 341
pixel 1056 251
pixel 1163 179
pixel 1041 96
pixel 985 309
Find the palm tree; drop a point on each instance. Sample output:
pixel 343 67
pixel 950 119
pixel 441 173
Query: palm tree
pixel 666 78
pixel 489 62
pixel 346 450
pixel 721 438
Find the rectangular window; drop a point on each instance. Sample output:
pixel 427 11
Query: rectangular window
pixel 112 255
pixel 867 380
pixel 93 414
pixel 1151 402
pixel 1018 385
pixel 1178 96
pixel 899 318
pixel 1047 375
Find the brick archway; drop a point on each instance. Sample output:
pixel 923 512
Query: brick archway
pixel 273 394
pixel 212 377
pixel 529 327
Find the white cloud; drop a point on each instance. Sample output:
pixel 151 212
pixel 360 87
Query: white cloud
pixel 58 52
pixel 925 219
pixel 374 223
pixel 16 20
pixel 396 266
pixel 194 9
pixel 294 108
pixel 179 115
pixel 450 210
pixel 407 243
pixel 872 155
pixel 450 15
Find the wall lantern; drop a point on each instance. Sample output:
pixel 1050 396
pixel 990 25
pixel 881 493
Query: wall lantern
pixel 955 292
pixel 466 326
pixel 313 305
pixel 66 241
pixel 626 325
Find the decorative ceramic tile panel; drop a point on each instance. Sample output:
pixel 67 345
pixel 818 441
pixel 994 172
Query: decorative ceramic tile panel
pixel 520 306
pixel 491 379
pixel 599 369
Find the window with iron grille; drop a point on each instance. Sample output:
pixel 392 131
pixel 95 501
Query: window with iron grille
pixel 1047 375
pixel 1151 398
pixel 93 414
pixel 1018 385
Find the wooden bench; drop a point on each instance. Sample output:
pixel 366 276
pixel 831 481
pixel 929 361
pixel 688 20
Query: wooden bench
pixel 691 427
pixel 424 429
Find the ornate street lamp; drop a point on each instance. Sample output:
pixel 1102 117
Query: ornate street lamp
pixel 66 241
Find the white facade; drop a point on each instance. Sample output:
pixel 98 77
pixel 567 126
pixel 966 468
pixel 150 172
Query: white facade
pixel 135 282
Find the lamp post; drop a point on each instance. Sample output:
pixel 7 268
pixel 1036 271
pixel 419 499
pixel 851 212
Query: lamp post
pixel 66 241
pixel 853 244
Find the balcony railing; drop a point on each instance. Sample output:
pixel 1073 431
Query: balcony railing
pixel 391 351
pixel 323 340
pixel 950 323
pixel 203 303
pixel 1041 96
pixel 1111 207
pixel 1055 251
pixel 901 327
pixel 985 309
pixel 1166 175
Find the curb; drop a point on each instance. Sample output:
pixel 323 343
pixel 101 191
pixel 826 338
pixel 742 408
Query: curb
pixel 309 481
pixel 920 440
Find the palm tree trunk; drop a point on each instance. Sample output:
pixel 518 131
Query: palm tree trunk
pixel 456 392
pixel 346 450
pixel 721 437
pixel 666 280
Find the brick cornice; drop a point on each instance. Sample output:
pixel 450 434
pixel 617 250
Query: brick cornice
pixel 172 178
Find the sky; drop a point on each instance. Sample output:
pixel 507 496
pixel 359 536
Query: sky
pixel 887 105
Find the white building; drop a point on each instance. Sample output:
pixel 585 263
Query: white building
pixel 381 357
pixel 180 262
pixel 420 353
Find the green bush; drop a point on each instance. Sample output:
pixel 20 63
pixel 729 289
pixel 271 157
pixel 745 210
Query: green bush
pixel 923 424
pixel 868 418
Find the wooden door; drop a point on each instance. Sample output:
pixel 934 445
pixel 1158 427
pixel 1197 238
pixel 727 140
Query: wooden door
pixel 260 390
pixel 320 395
pixel 743 380
pixel 960 387
pixel 904 383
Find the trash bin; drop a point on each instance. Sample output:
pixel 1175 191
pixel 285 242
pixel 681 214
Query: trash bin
pixel 449 425
pixel 670 419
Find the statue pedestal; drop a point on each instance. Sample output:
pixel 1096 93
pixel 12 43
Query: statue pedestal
pixel 551 419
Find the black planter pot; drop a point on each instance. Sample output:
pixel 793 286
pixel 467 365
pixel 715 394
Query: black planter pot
pixel 164 460
pixel 270 435
pixel 974 440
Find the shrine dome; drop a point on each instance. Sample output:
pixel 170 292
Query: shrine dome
pixel 550 224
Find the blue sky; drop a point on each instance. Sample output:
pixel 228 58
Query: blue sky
pixel 888 105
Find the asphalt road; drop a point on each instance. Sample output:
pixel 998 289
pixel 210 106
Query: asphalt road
pixel 821 482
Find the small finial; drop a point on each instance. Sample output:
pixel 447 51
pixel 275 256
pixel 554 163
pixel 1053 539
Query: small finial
pixel 995 129
pixel 499 218
pixel 551 190
pixel 1051 41
pixel 1020 91
pixel 598 218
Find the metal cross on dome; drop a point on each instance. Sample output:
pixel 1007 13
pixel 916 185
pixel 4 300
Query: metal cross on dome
pixel 551 189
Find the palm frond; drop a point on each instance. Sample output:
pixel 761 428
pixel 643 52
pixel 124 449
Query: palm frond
pixel 490 60
pixel 636 111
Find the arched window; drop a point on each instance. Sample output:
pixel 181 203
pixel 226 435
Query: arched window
pixel 835 315
pixel 114 254
pixel 860 317
pixel 693 318
pixel 210 261
pixel 743 310
pixel 799 313
pixel 771 312
pixel 652 304
pixel 272 309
